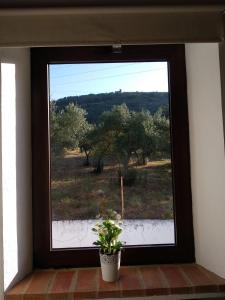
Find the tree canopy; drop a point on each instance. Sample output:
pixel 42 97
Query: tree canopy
pixel 121 133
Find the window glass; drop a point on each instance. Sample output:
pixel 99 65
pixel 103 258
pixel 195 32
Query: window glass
pixel 110 149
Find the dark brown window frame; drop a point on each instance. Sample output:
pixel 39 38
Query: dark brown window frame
pixel 183 250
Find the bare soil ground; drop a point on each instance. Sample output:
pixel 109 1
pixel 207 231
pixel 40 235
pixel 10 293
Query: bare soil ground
pixel 78 193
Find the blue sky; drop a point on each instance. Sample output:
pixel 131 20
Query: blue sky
pixel 83 79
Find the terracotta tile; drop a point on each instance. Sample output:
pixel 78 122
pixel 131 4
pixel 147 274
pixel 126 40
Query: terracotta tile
pixel 153 281
pixel 108 289
pixel 86 286
pixel 13 297
pixel 19 288
pixel 39 284
pixel 34 297
pixel 217 280
pixel 199 280
pixel 176 280
pixel 62 282
pixel 212 276
pixel 85 295
pixel 60 296
pixel 131 284
pixel 134 281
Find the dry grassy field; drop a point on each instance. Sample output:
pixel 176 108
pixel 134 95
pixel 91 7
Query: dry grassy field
pixel 78 193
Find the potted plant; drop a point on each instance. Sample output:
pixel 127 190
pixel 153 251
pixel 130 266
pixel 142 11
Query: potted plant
pixel 108 231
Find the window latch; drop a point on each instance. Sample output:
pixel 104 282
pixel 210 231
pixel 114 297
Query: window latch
pixel 117 48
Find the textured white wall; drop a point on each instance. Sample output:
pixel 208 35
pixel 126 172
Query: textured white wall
pixel 16 163
pixel 207 154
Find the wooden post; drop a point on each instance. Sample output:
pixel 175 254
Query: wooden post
pixel 122 197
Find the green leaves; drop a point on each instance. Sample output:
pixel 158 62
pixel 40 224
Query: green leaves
pixel 108 232
pixel 120 133
pixel 68 127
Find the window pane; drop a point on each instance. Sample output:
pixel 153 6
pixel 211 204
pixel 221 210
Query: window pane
pixel 110 149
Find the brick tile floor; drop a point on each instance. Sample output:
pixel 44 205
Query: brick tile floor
pixel 86 283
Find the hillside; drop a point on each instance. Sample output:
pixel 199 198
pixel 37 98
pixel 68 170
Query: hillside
pixel 96 104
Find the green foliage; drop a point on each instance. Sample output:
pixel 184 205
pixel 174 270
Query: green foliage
pixel 68 127
pixel 108 232
pixel 86 141
pixel 123 134
pixel 96 104
pixel 55 131
pixel 137 135
pixel 162 128
pixel 111 126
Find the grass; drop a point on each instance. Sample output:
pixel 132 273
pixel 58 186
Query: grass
pixel 77 193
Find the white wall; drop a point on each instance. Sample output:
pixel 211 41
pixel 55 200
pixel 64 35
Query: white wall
pixel 207 155
pixel 16 164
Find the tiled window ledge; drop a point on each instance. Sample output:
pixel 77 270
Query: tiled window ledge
pixel 134 281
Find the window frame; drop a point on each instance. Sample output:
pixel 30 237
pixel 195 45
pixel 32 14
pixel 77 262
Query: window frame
pixel 183 250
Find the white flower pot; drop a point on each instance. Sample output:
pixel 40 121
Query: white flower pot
pixel 110 265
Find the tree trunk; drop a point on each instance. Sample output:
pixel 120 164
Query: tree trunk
pixel 144 160
pixel 87 161
pixel 99 166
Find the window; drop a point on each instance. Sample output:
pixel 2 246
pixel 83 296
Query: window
pixel 150 170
